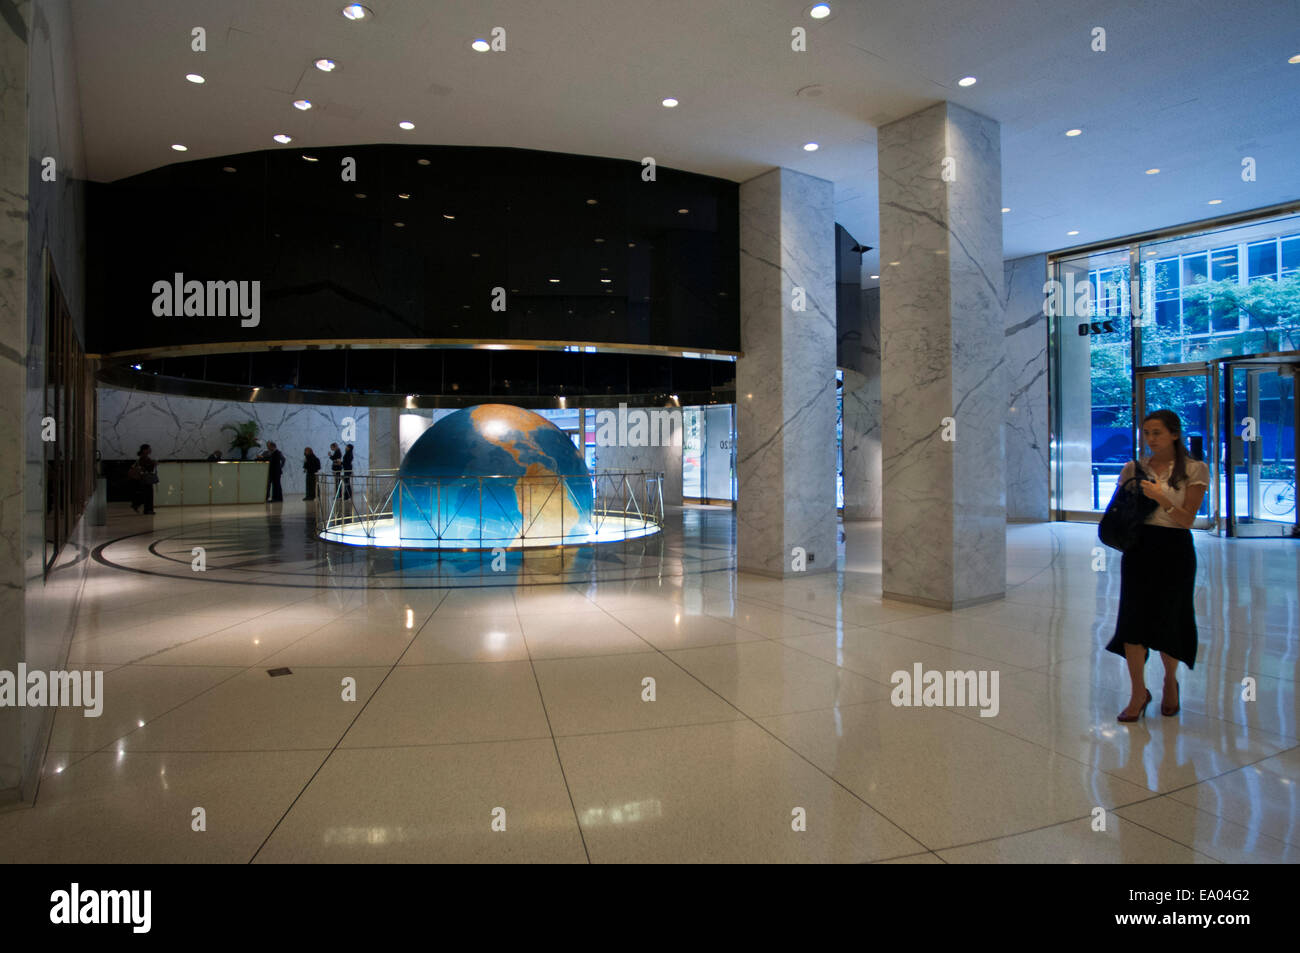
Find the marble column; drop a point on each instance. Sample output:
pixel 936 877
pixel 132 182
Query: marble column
pixel 785 382
pixel 13 375
pixel 861 426
pixel 1027 432
pixel 943 347
pixel 385 453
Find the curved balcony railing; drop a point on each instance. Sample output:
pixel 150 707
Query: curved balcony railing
pixel 383 508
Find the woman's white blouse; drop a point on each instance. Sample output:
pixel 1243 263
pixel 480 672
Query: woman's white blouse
pixel 1198 471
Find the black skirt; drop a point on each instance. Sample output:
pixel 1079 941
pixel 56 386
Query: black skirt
pixel 1157 588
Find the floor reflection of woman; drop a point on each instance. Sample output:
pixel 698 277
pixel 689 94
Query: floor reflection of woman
pixel 1158 574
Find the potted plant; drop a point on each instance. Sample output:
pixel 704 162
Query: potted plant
pixel 245 437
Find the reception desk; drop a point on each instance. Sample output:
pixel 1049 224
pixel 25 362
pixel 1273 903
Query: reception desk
pixel 205 484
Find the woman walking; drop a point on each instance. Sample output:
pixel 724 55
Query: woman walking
pixel 1158 574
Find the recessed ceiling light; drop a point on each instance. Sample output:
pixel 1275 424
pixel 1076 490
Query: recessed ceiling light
pixel 303 104
pixel 554 281
pixel 631 244
pixel 1294 59
pixel 810 147
pixel 228 168
pixel 683 211
pixel 1074 231
pixel 605 281
pixel 1005 210
pixel 820 11
pixel 591 201
pixel 895 262
pixel 1153 171
pixel 355 11
pixel 1216 202
pixel 403 195
pixel 180 148
pixel 282 138
pixel 448 217
pixel 1074 132
pixel 195 78
pixel 326 65
pixel 670 102
pixel 361 195
pixel 967 81
pixel 473 254
pixel 399 225
pixel 308 158
pixel 875 276
pixel 480 46
pixel 406 124
pixel 421 161
pixel 599 240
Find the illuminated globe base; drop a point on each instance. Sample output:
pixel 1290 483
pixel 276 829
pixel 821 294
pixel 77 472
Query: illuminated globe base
pixel 383 533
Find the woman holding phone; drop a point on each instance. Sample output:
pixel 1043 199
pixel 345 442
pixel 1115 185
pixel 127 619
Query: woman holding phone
pixel 1158 575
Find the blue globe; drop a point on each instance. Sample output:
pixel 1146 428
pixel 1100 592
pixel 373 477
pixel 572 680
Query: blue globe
pixel 493 475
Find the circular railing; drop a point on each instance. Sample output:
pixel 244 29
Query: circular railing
pixel 383 508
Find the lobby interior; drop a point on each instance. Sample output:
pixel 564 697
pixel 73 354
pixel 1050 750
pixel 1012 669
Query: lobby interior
pixel 904 280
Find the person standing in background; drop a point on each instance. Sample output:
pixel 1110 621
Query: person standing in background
pixel 347 473
pixel 145 474
pixel 311 466
pixel 276 460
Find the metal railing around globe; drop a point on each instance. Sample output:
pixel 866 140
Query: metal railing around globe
pixel 384 508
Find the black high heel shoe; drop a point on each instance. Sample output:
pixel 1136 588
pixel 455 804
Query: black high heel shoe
pixel 1141 714
pixel 1178 702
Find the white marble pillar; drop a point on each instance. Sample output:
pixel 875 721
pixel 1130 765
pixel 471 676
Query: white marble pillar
pixel 785 382
pixel 13 376
pixel 861 427
pixel 1028 437
pixel 943 345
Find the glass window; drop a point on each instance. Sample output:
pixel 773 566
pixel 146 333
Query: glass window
pixel 1223 264
pixel 1262 258
pixel 1290 254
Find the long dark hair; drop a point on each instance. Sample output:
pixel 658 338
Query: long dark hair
pixel 1174 424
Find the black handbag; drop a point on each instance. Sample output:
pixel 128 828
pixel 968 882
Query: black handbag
pixel 1127 511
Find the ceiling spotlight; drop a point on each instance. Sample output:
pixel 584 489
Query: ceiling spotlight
pixel 403 195
pixel 228 168
pixel 308 158
pixel 875 276
pixel 421 161
pixel 1215 202
pixel 448 217
pixel 591 201
pixel 195 78
pixel 406 124
pixel 355 11
pixel 326 65
pixel 554 281
pixel 810 147
pixel 303 104
pixel 1005 210
pixel 820 11
pixel 670 102
pixel 282 138
pixel 180 148
pixel 967 81
pixel 1294 59
pixel 599 240
pixel 1074 231
pixel 683 211
pixel 360 195
pixel 399 224
pixel 480 46
pixel 1153 171
pixel 605 281
pixel 1074 132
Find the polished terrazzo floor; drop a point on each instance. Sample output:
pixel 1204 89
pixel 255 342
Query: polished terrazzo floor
pixel 474 694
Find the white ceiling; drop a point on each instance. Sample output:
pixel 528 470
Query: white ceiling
pixel 1188 86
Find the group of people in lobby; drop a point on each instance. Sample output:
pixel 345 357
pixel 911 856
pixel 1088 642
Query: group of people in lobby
pixel 340 466
pixel 144 473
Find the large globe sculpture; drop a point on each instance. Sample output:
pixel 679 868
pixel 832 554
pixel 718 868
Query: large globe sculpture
pixel 493 475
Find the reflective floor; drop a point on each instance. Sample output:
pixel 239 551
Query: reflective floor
pixel 499 719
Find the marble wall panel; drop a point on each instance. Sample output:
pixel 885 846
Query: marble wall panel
pixel 189 428
pixel 1027 429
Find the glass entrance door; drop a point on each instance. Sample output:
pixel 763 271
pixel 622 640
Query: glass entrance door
pixel 1261 449
pixel 1187 390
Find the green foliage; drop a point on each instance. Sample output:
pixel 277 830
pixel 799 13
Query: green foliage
pixel 245 437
